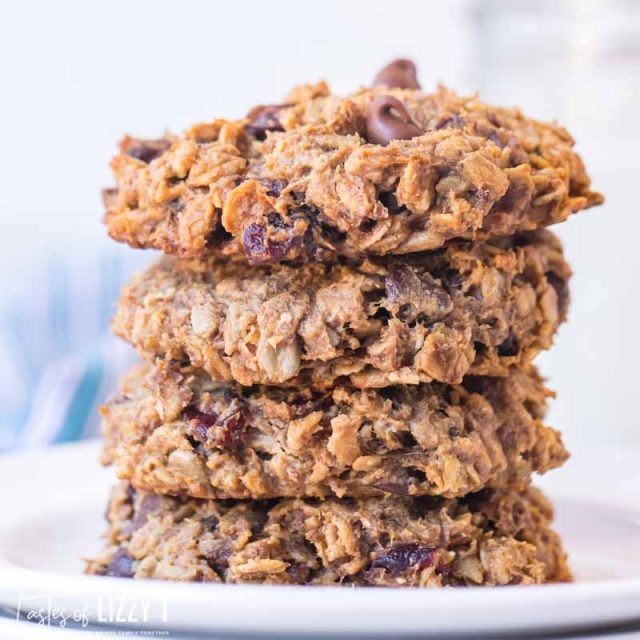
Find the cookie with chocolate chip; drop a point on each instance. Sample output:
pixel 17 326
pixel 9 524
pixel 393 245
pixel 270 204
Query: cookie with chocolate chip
pixel 389 169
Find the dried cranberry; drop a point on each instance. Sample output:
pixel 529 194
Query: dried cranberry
pixel 399 280
pixel 200 423
pixel 218 431
pixel 121 565
pixel 411 296
pixel 259 250
pixel 232 427
pixel 208 419
pixel 404 556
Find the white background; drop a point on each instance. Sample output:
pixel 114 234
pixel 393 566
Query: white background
pixel 76 76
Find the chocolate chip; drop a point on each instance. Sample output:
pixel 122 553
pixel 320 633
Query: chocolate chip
pixel 404 556
pixel 144 150
pixel 400 73
pixel 264 118
pixel 387 120
pixel 259 250
pixel 121 565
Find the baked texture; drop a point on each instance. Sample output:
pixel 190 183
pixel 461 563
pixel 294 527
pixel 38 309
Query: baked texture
pixel 178 433
pixel 472 308
pixel 494 538
pixel 310 179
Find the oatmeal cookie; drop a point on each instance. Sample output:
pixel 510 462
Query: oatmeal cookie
pixel 494 538
pixel 472 308
pixel 179 433
pixel 388 169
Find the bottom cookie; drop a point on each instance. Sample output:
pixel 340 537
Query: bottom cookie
pixel 491 538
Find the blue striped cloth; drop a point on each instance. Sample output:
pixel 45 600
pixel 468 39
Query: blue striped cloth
pixel 58 361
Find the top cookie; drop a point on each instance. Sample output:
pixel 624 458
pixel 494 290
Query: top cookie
pixel 388 169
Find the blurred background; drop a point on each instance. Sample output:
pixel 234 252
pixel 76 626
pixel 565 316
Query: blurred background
pixel 76 76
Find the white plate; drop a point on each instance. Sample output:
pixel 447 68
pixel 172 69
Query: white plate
pixel 52 516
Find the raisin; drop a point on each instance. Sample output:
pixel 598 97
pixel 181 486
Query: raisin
pixel 403 557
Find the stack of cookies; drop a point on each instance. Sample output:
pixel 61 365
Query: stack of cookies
pixel 337 383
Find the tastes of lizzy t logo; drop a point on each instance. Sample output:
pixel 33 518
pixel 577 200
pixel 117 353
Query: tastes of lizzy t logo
pixel 51 610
